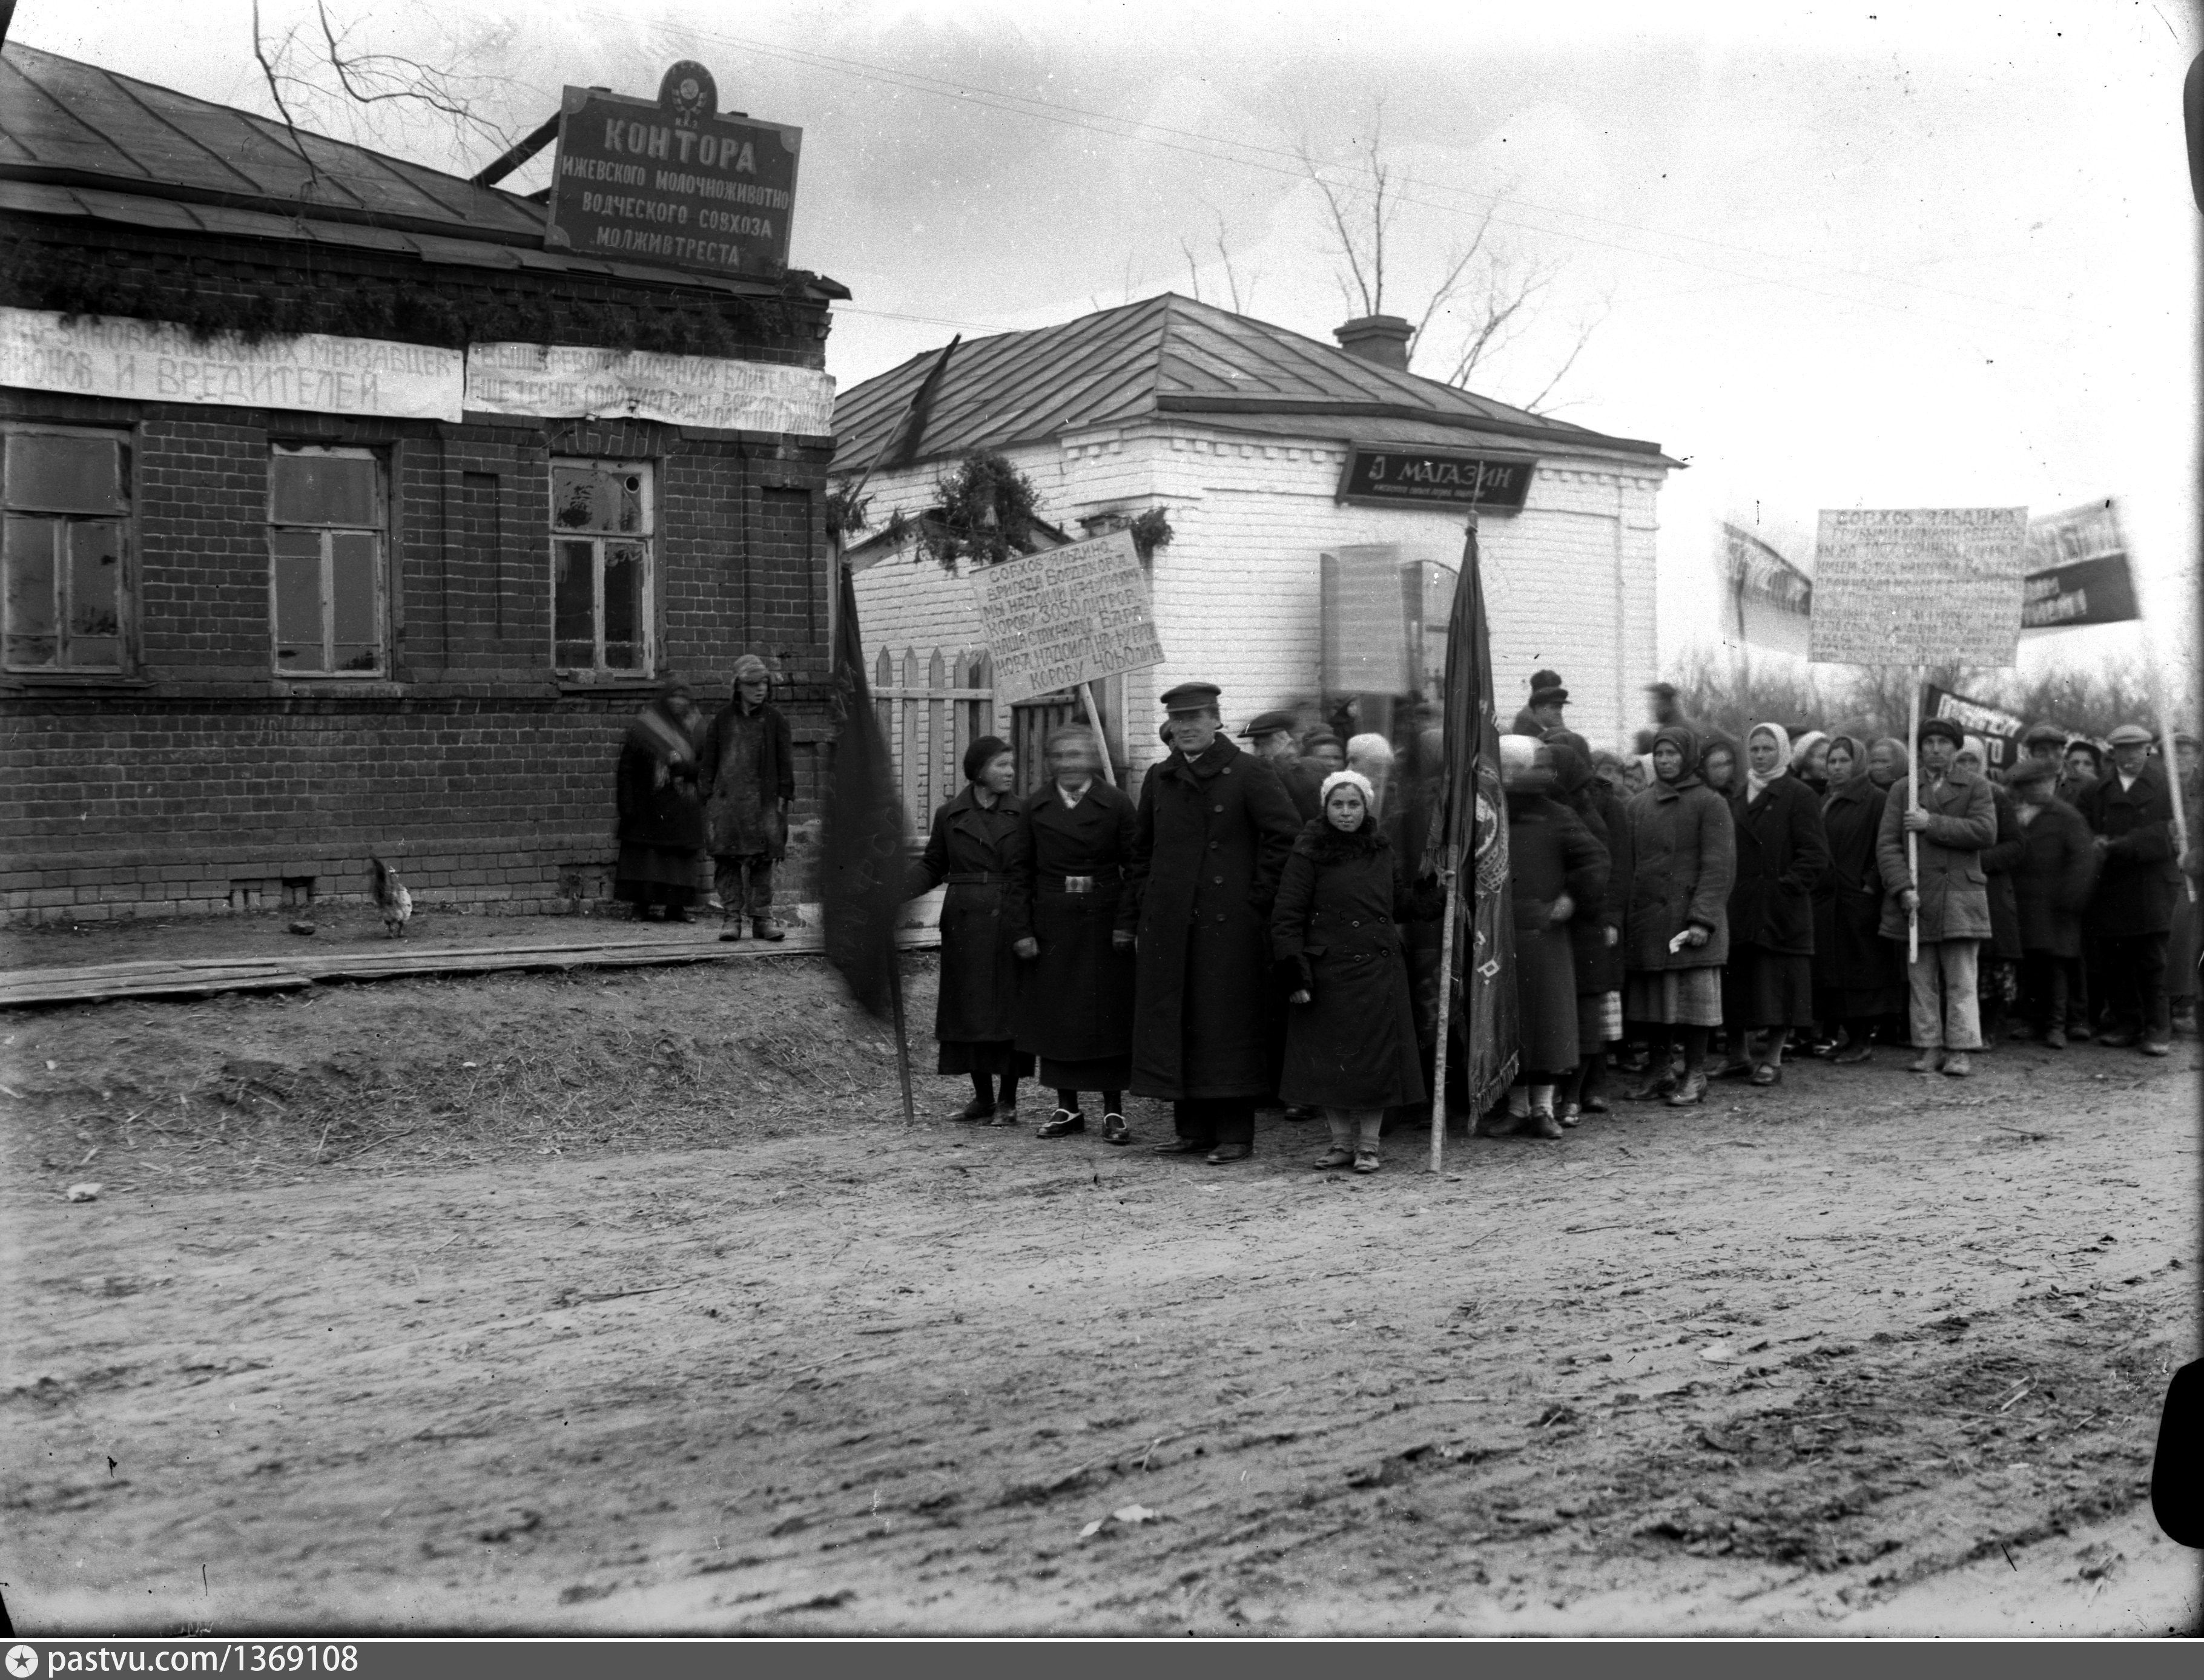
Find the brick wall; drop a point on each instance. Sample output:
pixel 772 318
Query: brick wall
pixel 1569 580
pixel 203 774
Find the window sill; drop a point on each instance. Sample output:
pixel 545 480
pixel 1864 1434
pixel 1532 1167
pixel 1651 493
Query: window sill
pixel 570 684
pixel 72 680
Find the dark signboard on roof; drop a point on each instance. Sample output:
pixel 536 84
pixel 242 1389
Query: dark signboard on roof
pixel 673 181
pixel 1434 478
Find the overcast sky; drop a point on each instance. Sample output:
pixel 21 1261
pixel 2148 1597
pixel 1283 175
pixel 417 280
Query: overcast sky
pixel 1918 256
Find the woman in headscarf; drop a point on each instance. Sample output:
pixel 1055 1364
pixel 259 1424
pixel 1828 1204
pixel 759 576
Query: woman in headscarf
pixel 1768 986
pixel 1809 760
pixel 1683 858
pixel 1072 916
pixel 1557 873
pixel 1997 980
pixel 1595 933
pixel 1350 1031
pixel 662 820
pixel 1607 771
pixel 1857 985
pixel 1718 765
pixel 974 847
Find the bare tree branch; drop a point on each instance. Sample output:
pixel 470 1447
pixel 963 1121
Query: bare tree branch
pixel 1192 272
pixel 1239 306
pixel 1337 201
pixel 275 81
pixel 1585 329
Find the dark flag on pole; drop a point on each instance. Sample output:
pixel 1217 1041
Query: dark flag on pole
pixel 1469 832
pixel 861 891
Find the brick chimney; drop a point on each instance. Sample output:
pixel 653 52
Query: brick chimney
pixel 1383 339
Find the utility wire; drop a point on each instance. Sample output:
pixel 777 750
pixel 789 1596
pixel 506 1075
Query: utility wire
pixel 1070 116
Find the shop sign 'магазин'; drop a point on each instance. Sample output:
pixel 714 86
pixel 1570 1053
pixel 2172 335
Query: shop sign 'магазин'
pixel 673 182
pixel 1434 478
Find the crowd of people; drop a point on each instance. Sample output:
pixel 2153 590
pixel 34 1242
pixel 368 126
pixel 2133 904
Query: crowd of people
pixel 1259 928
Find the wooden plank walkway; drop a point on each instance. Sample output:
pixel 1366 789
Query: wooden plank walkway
pixel 100 982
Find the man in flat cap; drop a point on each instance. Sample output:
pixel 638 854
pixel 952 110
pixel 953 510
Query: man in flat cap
pixel 1956 822
pixel 2131 812
pixel 1214 827
pixel 2047 742
pixel 1271 738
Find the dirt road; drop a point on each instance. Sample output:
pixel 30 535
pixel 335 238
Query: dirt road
pixel 628 1303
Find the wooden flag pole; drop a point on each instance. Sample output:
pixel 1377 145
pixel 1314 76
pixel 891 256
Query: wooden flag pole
pixel 2173 791
pixel 1913 803
pixel 902 1033
pixel 1094 722
pixel 1439 1052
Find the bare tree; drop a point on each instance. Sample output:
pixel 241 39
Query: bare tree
pixel 1242 302
pixel 1493 297
pixel 319 61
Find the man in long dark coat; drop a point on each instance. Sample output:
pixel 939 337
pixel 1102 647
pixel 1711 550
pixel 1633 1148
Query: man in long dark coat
pixel 2131 812
pixel 1214 829
pixel 746 774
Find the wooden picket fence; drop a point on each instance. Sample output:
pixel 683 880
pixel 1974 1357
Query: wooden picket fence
pixel 932 707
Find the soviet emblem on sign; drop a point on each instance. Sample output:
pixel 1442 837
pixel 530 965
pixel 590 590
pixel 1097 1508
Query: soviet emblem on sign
pixel 689 93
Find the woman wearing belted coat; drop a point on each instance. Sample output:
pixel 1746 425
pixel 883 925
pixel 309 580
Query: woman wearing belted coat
pixel 1683 857
pixel 973 848
pixel 1071 917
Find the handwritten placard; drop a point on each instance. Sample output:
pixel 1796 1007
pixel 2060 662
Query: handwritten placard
pixel 1918 586
pixel 715 393
pixel 159 361
pixel 1067 616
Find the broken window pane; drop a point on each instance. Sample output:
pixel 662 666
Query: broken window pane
pixel 65 475
pixel 353 643
pixel 28 560
pixel 624 575
pixel 312 489
pixel 589 497
pixel 574 605
pixel 95 595
pixel 298 560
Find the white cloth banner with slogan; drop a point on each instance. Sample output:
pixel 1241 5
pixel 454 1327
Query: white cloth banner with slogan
pixel 1067 616
pixel 715 393
pixel 1918 586
pixel 159 361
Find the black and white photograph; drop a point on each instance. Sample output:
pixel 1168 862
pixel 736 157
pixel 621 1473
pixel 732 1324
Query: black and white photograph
pixel 923 818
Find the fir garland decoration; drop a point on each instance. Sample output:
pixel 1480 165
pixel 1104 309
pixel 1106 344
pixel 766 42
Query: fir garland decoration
pixel 1151 530
pixel 986 513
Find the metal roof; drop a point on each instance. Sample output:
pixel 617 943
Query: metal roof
pixel 1171 356
pixel 76 140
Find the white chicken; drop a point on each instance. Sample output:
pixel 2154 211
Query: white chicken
pixel 391 898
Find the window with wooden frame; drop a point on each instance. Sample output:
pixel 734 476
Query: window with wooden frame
pixel 64 554
pixel 328 533
pixel 602 535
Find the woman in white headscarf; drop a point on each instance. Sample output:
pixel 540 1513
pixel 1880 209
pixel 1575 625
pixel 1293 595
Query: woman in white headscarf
pixel 1350 1033
pixel 1768 983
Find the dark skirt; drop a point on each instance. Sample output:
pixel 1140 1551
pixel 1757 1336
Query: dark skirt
pixel 1765 988
pixel 965 1056
pixel 654 875
pixel 1100 1073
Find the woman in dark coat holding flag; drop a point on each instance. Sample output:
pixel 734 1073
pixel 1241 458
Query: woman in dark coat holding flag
pixel 973 848
pixel 1071 919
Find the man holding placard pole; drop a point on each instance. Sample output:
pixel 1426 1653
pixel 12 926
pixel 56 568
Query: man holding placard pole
pixel 1914 586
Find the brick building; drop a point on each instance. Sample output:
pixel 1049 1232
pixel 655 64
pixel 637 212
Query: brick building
pixel 297 568
pixel 1245 433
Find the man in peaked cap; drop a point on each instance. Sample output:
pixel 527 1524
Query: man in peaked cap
pixel 2047 742
pixel 2131 812
pixel 1214 827
pixel 1270 737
